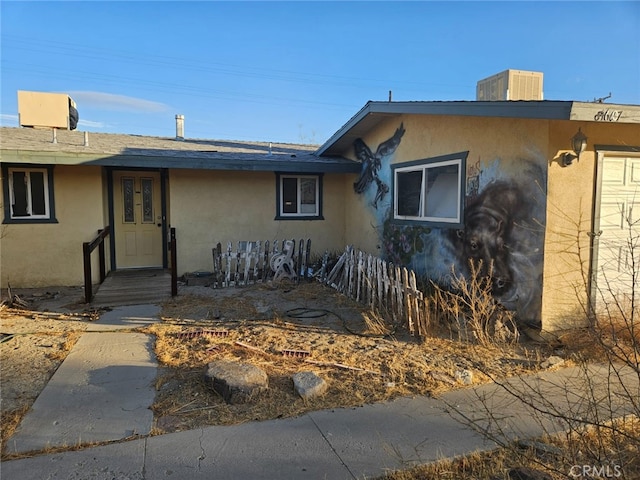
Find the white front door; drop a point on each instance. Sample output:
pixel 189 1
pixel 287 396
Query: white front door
pixel 137 219
pixel 617 224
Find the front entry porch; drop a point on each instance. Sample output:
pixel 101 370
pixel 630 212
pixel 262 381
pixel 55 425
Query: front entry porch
pixel 134 286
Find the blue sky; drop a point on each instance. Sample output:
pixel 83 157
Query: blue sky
pixel 297 71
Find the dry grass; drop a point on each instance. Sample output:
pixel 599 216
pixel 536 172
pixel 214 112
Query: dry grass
pixel 57 347
pixel 608 450
pixel 555 456
pixel 609 338
pixel 40 342
pixel 362 357
pixel 64 346
pixel 477 466
pixel 10 419
pixel 349 346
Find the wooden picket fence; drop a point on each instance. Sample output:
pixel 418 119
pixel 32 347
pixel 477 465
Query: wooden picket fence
pixel 382 287
pixel 251 262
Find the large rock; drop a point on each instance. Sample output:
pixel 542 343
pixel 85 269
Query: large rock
pixel 552 361
pixel 524 473
pixel 236 382
pixel 308 384
pixel 465 377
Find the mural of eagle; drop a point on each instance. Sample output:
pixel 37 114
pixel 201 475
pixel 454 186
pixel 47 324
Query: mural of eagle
pixel 371 163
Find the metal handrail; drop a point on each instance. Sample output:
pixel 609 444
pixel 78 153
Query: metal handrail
pixel 87 248
pixel 174 262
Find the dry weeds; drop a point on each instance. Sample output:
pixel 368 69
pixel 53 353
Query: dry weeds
pixel 363 358
pixel 350 347
pixel 559 457
pixel 34 345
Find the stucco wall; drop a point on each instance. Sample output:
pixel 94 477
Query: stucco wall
pixel 505 169
pixel 40 255
pixel 570 209
pixel 222 206
pixel 492 144
pixel 547 257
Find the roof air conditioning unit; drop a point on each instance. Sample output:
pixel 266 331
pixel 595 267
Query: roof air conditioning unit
pixel 50 110
pixel 511 85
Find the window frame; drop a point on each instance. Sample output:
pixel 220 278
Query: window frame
pixel 280 214
pixel 50 212
pixel 422 165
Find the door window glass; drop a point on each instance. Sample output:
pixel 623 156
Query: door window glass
pixel 128 199
pixel 147 200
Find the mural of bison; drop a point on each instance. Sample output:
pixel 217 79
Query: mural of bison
pixel 502 228
pixel 504 232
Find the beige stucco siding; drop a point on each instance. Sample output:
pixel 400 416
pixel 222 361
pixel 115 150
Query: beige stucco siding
pixel 486 139
pixel 504 197
pixel 557 203
pixel 362 230
pixel 207 207
pixel 569 215
pixel 50 254
pixel 492 144
pixel 570 209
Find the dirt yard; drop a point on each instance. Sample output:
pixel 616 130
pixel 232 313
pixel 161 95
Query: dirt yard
pixel 35 337
pixel 282 329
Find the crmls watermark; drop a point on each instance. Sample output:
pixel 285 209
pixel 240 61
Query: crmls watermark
pixel 594 471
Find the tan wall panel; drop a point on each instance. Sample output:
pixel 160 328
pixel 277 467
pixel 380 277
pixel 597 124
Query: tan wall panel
pixel 569 218
pixel 505 175
pixel 215 206
pixel 39 255
pixel 489 141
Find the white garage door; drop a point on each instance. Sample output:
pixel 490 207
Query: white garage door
pixel 617 259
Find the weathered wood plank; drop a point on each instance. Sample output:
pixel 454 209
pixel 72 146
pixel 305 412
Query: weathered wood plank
pixel 407 299
pixel 227 270
pixel 368 280
pixel 300 267
pixel 415 307
pixel 247 262
pixel 381 286
pixel 359 276
pixel 217 266
pixel 265 262
pixel 257 256
pixel 379 293
pixel 307 256
pixel 252 261
pixel 130 287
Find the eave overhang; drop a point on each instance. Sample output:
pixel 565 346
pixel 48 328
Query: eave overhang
pixel 204 161
pixel 375 112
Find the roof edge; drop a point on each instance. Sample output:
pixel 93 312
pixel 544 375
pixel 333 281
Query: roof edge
pixel 363 112
pixel 533 109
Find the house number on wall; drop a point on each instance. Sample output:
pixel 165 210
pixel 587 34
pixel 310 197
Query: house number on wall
pixel 608 116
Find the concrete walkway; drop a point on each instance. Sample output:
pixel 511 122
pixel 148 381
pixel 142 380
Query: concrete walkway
pixel 353 443
pixel 101 392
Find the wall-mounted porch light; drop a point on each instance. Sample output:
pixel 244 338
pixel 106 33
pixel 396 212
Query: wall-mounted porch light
pixel 579 145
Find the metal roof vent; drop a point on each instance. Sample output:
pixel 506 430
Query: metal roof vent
pixel 180 127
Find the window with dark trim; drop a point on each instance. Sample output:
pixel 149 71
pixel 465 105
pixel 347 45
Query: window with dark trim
pixel 430 190
pixel 28 194
pixel 298 196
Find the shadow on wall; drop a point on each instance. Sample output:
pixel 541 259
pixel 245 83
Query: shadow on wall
pixel 503 228
pixel 504 232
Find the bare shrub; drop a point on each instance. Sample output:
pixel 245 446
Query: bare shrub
pixel 470 309
pixel 590 411
pixel 377 324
